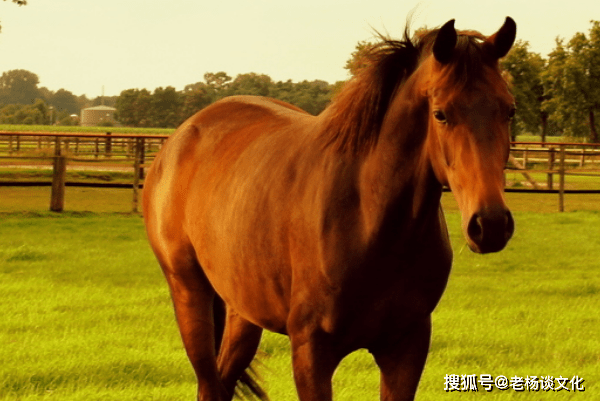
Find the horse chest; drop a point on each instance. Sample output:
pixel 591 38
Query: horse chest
pixel 386 294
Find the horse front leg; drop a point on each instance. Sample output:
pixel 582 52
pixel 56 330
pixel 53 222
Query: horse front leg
pixel 402 361
pixel 314 362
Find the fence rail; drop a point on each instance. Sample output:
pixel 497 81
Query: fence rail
pixel 93 151
pixel 556 159
pixel 134 152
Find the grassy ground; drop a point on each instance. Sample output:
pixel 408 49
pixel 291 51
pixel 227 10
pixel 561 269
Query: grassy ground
pixel 86 313
pixel 87 176
pixel 99 200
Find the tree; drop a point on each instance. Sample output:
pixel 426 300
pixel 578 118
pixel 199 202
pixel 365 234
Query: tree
pixel 218 81
pixel 574 76
pixel 250 84
pixel 165 107
pixel 133 108
pixel 359 57
pixel 311 96
pixel 64 100
pixel 194 98
pixel 25 114
pixel 525 75
pixel 19 87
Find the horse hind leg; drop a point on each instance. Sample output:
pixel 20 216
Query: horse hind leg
pixel 194 300
pixel 238 347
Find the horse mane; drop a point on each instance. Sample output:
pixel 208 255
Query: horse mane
pixel 358 110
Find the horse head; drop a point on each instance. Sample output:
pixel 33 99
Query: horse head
pixel 468 140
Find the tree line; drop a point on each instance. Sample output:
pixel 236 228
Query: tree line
pixel 166 107
pixel 556 96
pixel 22 101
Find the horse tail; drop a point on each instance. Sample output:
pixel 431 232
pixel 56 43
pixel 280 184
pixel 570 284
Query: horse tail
pixel 247 385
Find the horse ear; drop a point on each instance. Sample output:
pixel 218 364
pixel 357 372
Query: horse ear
pixel 503 40
pixel 445 42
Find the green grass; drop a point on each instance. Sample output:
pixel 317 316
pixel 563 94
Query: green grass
pixel 86 313
pixel 88 176
pixel 550 139
pixel 99 200
pixel 37 200
pixel 572 182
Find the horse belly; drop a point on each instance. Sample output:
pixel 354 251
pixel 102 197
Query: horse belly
pixel 240 241
pixel 255 285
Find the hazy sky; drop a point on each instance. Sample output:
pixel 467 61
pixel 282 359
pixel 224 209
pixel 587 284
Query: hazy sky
pixel 81 45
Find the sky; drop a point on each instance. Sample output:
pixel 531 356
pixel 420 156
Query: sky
pixel 85 45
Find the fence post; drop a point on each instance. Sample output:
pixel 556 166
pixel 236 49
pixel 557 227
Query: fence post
pixel 550 167
pixel 138 149
pixel 57 197
pixel 142 157
pixel 561 179
pixel 108 145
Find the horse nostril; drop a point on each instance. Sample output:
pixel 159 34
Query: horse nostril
pixel 510 225
pixel 475 228
pixel 489 232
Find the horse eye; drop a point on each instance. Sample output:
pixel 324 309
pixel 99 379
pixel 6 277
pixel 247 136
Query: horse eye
pixel 440 116
pixel 512 112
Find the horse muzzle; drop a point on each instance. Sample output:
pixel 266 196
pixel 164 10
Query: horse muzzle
pixel 489 230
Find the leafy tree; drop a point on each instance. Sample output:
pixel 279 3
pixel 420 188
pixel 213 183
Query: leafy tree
pixel 165 105
pixel 19 87
pixel 125 106
pixel 250 84
pixel 525 74
pixel 359 57
pixel 195 97
pixel 64 100
pixel 36 113
pixel 217 81
pixel 311 96
pixel 133 108
pixel 574 76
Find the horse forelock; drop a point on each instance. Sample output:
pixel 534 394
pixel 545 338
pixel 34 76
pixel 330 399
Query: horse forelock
pixel 358 110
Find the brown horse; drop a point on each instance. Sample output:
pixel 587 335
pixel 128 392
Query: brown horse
pixel 329 228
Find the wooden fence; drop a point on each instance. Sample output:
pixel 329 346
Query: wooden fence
pixel 133 153
pixel 107 151
pixel 556 159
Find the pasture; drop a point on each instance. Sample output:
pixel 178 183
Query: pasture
pixel 86 313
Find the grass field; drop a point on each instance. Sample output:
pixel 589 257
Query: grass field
pixel 86 313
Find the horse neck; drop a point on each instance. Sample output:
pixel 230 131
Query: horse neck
pixel 397 184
